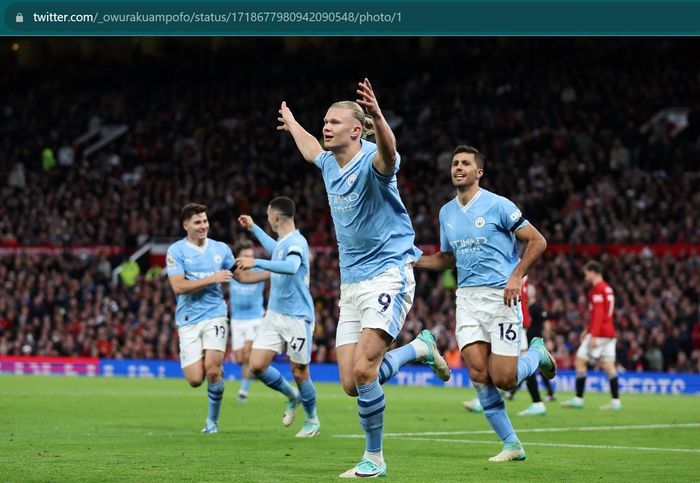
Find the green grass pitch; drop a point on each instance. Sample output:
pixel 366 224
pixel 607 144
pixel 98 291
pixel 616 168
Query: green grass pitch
pixel 102 429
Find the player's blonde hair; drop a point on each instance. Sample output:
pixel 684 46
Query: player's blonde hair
pixel 359 114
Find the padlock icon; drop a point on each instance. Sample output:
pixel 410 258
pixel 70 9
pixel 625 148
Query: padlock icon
pixel 19 18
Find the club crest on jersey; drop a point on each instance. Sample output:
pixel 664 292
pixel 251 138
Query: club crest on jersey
pixel 480 221
pixel 217 258
pixel 351 179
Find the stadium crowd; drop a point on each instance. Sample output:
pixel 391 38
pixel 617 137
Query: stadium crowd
pixel 65 305
pixel 565 144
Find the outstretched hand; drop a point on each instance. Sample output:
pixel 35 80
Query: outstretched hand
pixel 245 263
pixel 285 118
pixel 246 222
pixel 367 98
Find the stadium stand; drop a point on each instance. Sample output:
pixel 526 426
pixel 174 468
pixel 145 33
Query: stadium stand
pixel 566 145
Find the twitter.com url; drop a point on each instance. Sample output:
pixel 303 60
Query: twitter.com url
pixel 233 17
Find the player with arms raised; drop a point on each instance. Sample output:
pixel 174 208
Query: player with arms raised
pixel 375 244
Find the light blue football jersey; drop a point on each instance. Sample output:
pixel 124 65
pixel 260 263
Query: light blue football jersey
pixel 372 226
pixel 482 237
pixel 247 299
pixel 289 294
pixel 197 263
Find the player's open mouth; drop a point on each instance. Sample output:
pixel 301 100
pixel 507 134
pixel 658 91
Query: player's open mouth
pixel 459 176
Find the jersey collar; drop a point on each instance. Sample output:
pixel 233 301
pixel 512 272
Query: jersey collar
pixel 464 208
pixel 199 249
pixel 287 235
pixel 353 160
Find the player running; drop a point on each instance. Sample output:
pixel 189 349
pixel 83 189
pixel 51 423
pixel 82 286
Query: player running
pixel 290 316
pixel 375 244
pixel 197 266
pixel 247 309
pixel 478 231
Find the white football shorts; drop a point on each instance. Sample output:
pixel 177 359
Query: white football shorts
pixel 277 329
pixel 482 316
pixel 196 338
pixel 381 302
pixel 243 331
pixel 604 349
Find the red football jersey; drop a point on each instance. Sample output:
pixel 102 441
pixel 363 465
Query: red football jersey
pixel 602 304
pixel 523 303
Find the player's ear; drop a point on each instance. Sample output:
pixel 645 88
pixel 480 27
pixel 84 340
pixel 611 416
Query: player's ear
pixel 356 132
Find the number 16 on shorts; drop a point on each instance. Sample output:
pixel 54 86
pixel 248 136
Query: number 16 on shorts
pixel 508 332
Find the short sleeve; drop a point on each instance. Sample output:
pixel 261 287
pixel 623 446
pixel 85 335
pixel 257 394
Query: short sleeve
pixel 174 262
pixel 294 250
pixel 387 177
pixel 511 217
pixel 229 259
pixel 444 242
pixel 321 158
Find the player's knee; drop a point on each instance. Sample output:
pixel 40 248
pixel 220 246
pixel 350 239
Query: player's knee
pixel 258 367
pixel 350 389
pixel 214 374
pixel 479 377
pixel 195 382
pixel 300 373
pixel 363 373
pixel 505 382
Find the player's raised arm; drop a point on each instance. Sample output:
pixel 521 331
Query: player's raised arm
pixel 385 160
pixel 308 146
pixel 269 243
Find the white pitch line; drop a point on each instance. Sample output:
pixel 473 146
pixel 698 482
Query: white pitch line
pixel 535 430
pixel 560 445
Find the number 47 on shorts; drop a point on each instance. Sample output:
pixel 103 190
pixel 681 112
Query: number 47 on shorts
pixel 297 343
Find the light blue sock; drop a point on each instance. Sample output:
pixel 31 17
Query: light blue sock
pixel 245 384
pixel 370 407
pixel 528 364
pixel 274 380
pixel 215 393
pixel 394 360
pixel 307 393
pixel 495 411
